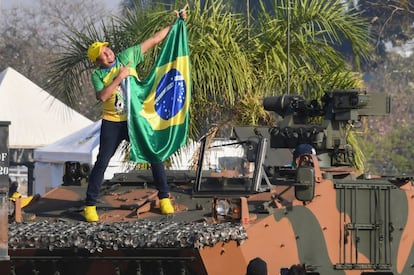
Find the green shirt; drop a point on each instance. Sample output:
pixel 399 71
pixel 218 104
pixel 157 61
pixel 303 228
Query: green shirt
pixel 114 109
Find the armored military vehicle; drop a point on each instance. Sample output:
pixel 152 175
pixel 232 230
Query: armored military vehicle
pixel 288 194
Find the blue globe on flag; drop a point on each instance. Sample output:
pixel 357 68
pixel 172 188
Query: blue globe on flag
pixel 170 94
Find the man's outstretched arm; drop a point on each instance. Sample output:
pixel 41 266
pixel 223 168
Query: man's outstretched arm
pixel 159 36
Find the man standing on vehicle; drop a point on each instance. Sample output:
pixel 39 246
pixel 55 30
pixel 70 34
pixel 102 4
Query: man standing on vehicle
pixel 107 80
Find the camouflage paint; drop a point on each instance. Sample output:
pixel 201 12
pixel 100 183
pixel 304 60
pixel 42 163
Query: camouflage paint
pixel 405 247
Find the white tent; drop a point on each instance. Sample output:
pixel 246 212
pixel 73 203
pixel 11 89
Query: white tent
pixel 36 117
pixel 81 146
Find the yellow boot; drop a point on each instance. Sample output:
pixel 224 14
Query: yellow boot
pixel 24 201
pixel 166 206
pixel 14 196
pixel 90 214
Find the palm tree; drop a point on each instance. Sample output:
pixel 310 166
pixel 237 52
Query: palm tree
pixel 235 65
pixel 313 31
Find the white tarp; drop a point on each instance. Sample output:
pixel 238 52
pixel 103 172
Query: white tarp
pixel 36 117
pixel 78 146
pixel 81 146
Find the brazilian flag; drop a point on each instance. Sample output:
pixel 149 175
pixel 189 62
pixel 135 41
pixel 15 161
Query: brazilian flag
pixel 159 111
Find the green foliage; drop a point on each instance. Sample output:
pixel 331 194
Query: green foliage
pixel 387 145
pixel 391 154
pixel 315 31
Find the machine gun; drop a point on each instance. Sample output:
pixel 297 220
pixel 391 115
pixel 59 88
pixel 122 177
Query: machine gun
pixel 323 125
pixel 269 149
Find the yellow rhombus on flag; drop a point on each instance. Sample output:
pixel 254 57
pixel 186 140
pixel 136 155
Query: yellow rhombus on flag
pixel 159 111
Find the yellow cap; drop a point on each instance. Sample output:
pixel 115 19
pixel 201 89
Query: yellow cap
pixel 95 50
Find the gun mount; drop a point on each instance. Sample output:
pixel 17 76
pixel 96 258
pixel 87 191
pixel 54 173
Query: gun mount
pixel 267 151
pixel 323 125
